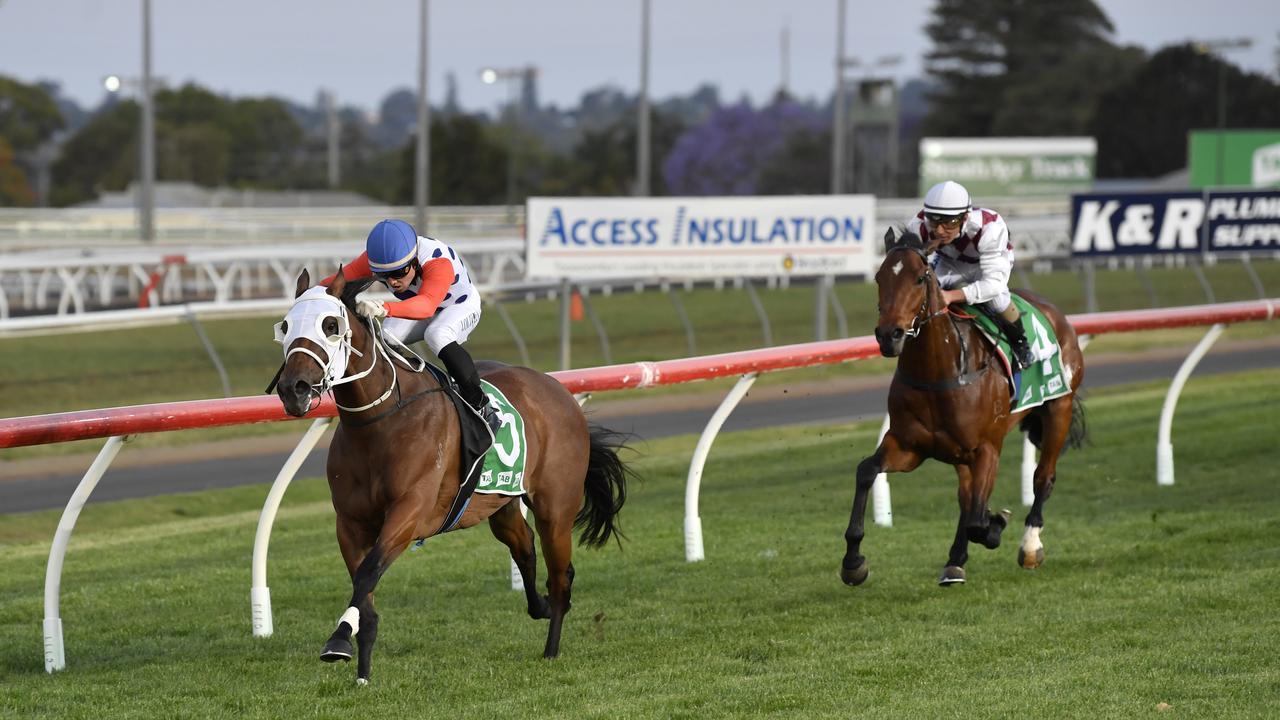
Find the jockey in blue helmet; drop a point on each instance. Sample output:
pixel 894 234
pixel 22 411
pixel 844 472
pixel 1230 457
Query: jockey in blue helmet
pixel 436 301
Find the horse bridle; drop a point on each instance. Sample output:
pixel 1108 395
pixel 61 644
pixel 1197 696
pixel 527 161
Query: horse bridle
pixel 922 316
pixel 327 382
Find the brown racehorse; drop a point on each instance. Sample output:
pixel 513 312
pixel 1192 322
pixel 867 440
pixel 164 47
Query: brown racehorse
pixel 394 461
pixel 949 401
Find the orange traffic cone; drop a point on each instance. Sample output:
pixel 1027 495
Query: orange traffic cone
pixel 575 306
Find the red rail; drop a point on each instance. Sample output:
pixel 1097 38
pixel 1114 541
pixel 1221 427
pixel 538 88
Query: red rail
pixel 163 417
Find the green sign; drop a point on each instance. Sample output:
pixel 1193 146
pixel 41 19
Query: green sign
pixel 1005 167
pixel 1234 158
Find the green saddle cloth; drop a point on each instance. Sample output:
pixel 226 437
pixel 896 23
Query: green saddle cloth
pixel 503 471
pixel 1044 379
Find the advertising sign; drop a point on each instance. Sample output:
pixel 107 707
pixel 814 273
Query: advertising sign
pixel 1181 222
pixel 1007 167
pixel 597 238
pixel 1243 221
pixel 1239 158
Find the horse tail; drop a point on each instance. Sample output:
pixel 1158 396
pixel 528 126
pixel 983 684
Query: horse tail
pixel 1078 434
pixel 606 489
pixel 1077 431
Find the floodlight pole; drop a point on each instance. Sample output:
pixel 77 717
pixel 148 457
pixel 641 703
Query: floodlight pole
pixel 837 122
pixel 422 158
pixel 642 124
pixel 147 199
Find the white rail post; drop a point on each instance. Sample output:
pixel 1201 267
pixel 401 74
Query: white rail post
pixel 517 580
pixel 1028 471
pixel 1164 443
pixel 693 550
pixel 259 593
pixel 881 505
pixel 55 652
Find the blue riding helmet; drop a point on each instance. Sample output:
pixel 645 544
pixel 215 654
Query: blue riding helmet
pixel 392 244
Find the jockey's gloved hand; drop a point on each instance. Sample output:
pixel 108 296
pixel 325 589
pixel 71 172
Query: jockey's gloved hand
pixel 372 309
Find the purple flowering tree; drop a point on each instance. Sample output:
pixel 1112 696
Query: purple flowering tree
pixel 737 146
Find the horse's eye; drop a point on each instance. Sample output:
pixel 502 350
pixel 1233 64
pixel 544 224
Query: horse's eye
pixel 330 326
pixel 920 280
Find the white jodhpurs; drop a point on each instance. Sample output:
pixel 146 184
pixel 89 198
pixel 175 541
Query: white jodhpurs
pixel 452 324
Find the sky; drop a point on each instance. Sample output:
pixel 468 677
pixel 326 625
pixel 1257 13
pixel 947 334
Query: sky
pixel 362 51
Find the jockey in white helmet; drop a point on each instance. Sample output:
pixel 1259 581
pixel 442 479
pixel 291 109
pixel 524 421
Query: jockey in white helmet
pixel 436 300
pixel 974 258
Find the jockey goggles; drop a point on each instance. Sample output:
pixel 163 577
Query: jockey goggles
pixel 395 274
pixel 946 221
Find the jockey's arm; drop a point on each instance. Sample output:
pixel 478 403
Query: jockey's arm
pixel 437 277
pixel 994 260
pixel 354 270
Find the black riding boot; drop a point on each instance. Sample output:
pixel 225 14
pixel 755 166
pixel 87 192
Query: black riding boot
pixel 1017 337
pixel 463 370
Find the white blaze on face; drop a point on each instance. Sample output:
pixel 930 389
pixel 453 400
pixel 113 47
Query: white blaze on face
pixel 897 268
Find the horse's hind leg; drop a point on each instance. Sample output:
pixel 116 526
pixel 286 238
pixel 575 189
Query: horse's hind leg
pixel 1057 423
pixel 509 527
pixel 557 549
pixel 889 457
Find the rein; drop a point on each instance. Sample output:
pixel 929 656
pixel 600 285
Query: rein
pixel 922 318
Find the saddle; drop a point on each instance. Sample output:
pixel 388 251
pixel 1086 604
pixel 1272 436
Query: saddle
pixel 475 442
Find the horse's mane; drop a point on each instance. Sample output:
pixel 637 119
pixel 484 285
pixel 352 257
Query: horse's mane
pixel 352 289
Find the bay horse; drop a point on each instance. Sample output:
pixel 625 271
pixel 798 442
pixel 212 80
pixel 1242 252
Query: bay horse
pixel 950 401
pixel 394 464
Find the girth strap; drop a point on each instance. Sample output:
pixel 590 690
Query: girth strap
pixel 949 384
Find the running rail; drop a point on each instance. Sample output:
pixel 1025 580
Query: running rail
pixel 121 422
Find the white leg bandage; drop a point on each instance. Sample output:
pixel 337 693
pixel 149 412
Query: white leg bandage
pixel 352 618
pixel 1031 540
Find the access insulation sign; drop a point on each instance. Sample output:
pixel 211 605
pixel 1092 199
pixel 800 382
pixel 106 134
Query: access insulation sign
pixel 1179 222
pixel 601 238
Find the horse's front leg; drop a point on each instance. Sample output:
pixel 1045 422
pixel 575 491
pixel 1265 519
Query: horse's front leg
pixel 360 619
pixel 977 523
pixel 891 456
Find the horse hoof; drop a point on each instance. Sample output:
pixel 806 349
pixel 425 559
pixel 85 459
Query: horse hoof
pixel 855 576
pixel 336 650
pixel 361 682
pixel 1032 561
pixel 542 611
pixel 951 575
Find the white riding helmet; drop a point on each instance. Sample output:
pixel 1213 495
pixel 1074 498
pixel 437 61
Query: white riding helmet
pixel 947 198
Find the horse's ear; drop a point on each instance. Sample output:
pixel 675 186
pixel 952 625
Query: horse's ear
pixel 890 238
pixel 339 283
pixel 304 282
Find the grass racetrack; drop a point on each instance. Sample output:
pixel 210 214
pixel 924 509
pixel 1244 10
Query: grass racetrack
pixel 1149 595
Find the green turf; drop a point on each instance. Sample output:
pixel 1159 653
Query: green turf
pixel 1149 594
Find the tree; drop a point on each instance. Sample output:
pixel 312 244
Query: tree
pixel 14 188
pixel 28 115
pixel 201 137
pixel 989 54
pixel 468 165
pixel 102 156
pixel 729 154
pixel 1142 124
pixel 28 118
